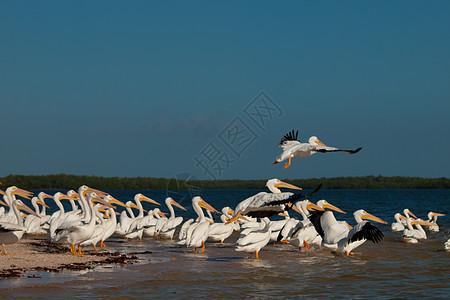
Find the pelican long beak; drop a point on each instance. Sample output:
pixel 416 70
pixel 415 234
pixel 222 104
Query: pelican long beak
pixel 173 202
pixel 282 214
pixel 42 203
pixel 295 208
pixel 3 203
pixel 287 185
pixel 402 217
pixel 112 200
pixel 412 215
pixel 318 142
pixel 147 199
pixel 27 209
pixel 349 226
pixel 373 218
pixel 422 222
pixel 132 205
pixel 234 218
pixel 331 206
pixel 98 199
pixel 312 206
pixel 438 214
pixel 2 193
pixel 162 214
pixel 98 192
pixel 205 205
pixel 22 193
pixel 67 197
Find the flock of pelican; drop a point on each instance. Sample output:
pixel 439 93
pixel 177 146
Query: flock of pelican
pixel 92 218
pixel 405 223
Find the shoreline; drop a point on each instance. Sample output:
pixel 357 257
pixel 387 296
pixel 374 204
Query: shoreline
pixel 35 254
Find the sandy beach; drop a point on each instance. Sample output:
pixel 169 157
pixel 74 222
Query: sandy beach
pixel 36 254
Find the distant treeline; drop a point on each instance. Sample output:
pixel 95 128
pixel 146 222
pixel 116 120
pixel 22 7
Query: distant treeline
pixel 64 181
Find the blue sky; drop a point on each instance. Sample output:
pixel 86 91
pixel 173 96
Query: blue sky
pixel 141 88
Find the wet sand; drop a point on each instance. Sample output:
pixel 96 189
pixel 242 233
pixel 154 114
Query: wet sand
pixel 35 254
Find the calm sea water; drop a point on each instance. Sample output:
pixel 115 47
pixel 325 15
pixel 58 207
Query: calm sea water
pixel 392 269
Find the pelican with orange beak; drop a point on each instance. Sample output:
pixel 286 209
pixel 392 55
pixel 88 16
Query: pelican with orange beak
pixel 12 232
pixel 432 217
pixel 292 147
pixel 198 232
pixel 168 228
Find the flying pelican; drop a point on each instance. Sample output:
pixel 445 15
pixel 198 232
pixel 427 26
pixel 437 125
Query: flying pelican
pixel 254 240
pixel 12 232
pixel 168 228
pixel 269 204
pixel 338 236
pixel 199 231
pixel 432 217
pixel 293 148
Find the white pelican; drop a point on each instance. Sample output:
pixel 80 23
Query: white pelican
pixel 59 216
pixel 338 236
pixel 168 229
pixel 107 227
pixel 277 225
pixel 9 197
pixel 32 222
pixel 398 225
pixel 218 232
pixel 254 240
pixel 198 232
pixel 269 204
pixel 150 223
pixel 74 234
pixel 136 229
pixel 432 217
pixel 293 148
pixel 183 232
pixel 125 221
pixel 12 232
pixel 303 233
pixel 410 234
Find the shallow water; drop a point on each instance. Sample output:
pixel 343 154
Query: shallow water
pixel 392 269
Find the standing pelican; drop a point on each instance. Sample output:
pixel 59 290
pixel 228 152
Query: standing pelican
pixel 198 232
pixel 136 228
pixel 75 233
pixel 168 229
pixel 254 240
pixel 12 232
pixel 33 222
pixel 293 148
pixel 218 232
